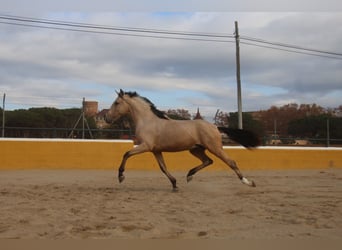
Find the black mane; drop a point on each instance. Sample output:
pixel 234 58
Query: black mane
pixel 154 110
pixel 131 94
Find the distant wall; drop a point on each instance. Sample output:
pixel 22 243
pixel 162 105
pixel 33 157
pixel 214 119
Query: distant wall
pixel 107 154
pixel 61 154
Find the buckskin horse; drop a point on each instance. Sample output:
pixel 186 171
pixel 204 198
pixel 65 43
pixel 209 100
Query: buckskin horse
pixel 157 133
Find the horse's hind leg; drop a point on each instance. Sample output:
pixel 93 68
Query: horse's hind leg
pixel 159 157
pixel 199 152
pixel 232 164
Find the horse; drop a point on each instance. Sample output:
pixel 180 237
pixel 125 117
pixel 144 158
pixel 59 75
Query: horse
pixel 158 133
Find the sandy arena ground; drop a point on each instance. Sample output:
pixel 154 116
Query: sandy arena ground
pixel 68 204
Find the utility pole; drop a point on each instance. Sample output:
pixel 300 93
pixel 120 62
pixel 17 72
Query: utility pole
pixel 83 117
pixel 3 115
pixel 238 80
pixel 328 133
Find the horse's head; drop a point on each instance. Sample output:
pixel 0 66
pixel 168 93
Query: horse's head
pixel 119 108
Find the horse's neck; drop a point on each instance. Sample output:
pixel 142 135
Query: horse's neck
pixel 141 112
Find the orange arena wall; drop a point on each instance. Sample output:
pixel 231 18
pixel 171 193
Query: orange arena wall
pixel 107 154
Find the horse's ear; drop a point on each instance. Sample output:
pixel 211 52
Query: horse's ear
pixel 120 94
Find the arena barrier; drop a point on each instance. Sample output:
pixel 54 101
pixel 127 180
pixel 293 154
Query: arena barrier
pixel 107 154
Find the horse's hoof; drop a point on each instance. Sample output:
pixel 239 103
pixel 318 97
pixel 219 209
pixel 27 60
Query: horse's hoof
pixel 189 178
pixel 175 189
pixel 247 182
pixel 121 178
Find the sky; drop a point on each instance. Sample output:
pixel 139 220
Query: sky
pixel 57 68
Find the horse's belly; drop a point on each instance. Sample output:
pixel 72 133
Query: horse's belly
pixel 175 144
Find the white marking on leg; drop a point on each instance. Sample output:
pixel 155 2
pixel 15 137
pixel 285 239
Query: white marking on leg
pixel 246 181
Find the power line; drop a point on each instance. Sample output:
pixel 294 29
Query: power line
pixel 116 33
pixel 292 51
pixel 105 27
pixel 288 45
pixel 161 34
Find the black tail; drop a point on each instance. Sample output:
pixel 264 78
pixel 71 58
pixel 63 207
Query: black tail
pixel 244 137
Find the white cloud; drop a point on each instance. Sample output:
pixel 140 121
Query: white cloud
pixel 42 62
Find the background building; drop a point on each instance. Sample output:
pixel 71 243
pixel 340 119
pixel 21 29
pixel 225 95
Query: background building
pixel 90 108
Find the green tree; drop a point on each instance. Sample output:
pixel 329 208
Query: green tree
pixel 179 114
pixel 248 123
pixel 315 127
pixel 43 122
pixel 278 118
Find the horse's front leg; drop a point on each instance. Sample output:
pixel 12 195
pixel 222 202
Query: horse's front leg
pixel 159 157
pixel 137 150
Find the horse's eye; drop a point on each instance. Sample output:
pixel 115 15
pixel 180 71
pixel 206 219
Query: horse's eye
pixel 116 103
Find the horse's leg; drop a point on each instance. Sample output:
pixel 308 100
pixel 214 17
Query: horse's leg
pixel 232 164
pixel 199 152
pixel 137 150
pixel 159 157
